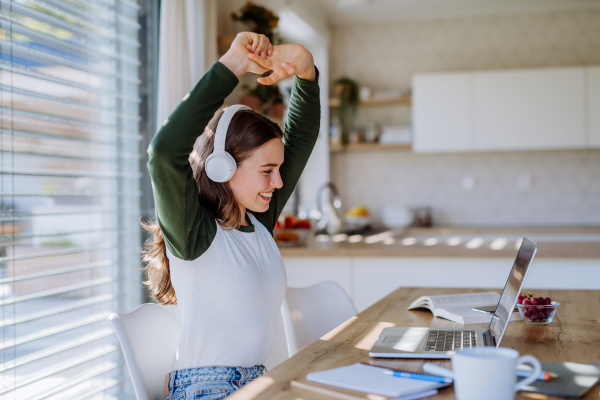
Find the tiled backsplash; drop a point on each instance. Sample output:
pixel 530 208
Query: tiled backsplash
pixel 565 186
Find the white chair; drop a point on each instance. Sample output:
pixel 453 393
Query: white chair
pixel 148 336
pixel 310 312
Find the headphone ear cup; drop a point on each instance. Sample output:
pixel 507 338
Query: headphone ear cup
pixel 220 166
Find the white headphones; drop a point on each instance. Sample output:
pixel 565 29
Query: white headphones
pixel 220 166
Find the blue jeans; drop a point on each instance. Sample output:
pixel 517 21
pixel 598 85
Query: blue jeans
pixel 210 383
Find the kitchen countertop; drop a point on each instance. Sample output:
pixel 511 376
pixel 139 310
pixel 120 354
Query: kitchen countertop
pixel 555 242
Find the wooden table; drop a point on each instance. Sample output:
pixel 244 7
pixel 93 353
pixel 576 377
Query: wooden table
pixel 573 335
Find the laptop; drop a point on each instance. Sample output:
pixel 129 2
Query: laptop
pixel 416 342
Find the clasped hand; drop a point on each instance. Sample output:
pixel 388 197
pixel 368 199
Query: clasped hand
pixel 252 52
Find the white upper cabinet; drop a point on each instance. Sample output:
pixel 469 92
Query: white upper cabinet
pixel 593 108
pixel 534 109
pixel 441 118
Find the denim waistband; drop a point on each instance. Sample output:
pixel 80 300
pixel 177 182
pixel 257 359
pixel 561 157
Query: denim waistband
pixel 215 373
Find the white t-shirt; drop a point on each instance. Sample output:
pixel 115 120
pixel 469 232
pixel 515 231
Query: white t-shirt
pixel 229 299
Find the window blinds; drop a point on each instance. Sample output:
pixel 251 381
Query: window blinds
pixel 69 195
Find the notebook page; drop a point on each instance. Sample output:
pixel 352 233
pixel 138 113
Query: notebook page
pixel 365 378
pixel 466 299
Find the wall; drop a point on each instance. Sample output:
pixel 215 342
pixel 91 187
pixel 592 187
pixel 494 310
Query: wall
pixel 566 184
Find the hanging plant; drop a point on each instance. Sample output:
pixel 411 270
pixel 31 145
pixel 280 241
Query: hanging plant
pixel 263 20
pixel 347 91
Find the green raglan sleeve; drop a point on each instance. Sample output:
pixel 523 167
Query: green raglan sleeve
pixel 301 133
pixel 188 228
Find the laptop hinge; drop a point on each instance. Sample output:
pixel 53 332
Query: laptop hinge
pixel 488 338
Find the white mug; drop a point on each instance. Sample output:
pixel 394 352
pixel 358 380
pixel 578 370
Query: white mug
pixel 490 373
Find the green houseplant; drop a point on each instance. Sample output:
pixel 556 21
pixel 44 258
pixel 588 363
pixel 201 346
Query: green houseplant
pixel 348 94
pixel 261 19
pixel 266 99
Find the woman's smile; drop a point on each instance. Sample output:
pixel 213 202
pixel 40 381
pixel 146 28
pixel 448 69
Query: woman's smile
pixel 266 196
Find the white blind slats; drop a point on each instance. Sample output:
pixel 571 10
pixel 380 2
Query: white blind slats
pixel 62 23
pixel 101 351
pixel 97 264
pixel 57 349
pixel 55 75
pixel 37 101
pixel 98 384
pixel 57 310
pixel 59 290
pixel 40 254
pixel 78 49
pixel 94 389
pixel 69 195
pixel 107 15
pixel 70 64
pixel 95 175
pixel 43 333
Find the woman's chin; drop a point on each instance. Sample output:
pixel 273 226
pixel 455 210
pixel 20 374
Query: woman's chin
pixel 259 208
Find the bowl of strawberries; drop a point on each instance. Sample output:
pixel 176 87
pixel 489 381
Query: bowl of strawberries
pixel 536 310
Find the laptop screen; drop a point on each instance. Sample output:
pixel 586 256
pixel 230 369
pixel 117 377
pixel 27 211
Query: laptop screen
pixel 513 287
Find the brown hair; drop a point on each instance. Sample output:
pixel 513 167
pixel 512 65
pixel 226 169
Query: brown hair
pixel 247 132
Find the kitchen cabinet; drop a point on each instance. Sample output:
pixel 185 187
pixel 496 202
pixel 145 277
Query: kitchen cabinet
pixel 306 271
pixel 538 109
pixel 534 109
pixel 441 117
pixel 593 106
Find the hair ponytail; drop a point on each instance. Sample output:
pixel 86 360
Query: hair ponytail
pixel 248 130
pixel 157 269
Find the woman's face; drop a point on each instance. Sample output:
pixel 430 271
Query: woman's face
pixel 256 179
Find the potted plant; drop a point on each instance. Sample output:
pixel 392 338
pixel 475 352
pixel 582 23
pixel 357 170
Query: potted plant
pixel 266 99
pixel 261 20
pixel 348 94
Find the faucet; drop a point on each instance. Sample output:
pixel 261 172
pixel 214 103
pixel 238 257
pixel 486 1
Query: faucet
pixel 330 216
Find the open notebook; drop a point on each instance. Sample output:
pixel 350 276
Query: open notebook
pixel 458 307
pixel 371 379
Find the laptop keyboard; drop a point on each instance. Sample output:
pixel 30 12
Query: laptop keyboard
pixel 441 340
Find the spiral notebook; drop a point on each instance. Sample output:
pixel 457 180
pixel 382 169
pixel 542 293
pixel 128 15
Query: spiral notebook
pixel 371 379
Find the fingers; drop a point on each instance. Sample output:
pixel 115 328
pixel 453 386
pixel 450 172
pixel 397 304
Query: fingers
pixel 268 80
pixel 263 62
pixel 289 68
pixel 276 76
pixel 258 44
pixel 263 46
pixel 285 71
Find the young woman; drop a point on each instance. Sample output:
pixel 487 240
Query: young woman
pixel 212 252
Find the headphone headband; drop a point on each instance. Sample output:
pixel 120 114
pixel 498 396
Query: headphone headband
pixel 223 125
pixel 220 165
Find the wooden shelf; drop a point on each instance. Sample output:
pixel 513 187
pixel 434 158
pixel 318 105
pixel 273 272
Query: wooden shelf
pixel 352 147
pixel 335 102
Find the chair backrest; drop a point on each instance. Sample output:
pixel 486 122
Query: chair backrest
pixel 310 312
pixel 149 336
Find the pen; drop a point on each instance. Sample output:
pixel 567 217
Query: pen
pixel 418 376
pixel 544 375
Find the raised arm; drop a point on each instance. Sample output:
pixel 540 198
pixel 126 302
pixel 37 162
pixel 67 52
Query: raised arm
pixel 303 118
pixel 187 227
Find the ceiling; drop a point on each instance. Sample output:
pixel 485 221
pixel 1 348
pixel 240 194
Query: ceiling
pixel 344 12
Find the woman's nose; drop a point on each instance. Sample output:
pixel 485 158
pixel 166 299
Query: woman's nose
pixel 276 181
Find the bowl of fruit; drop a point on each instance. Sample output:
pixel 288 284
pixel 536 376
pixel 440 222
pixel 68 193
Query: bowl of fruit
pixel 536 310
pixel 290 231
